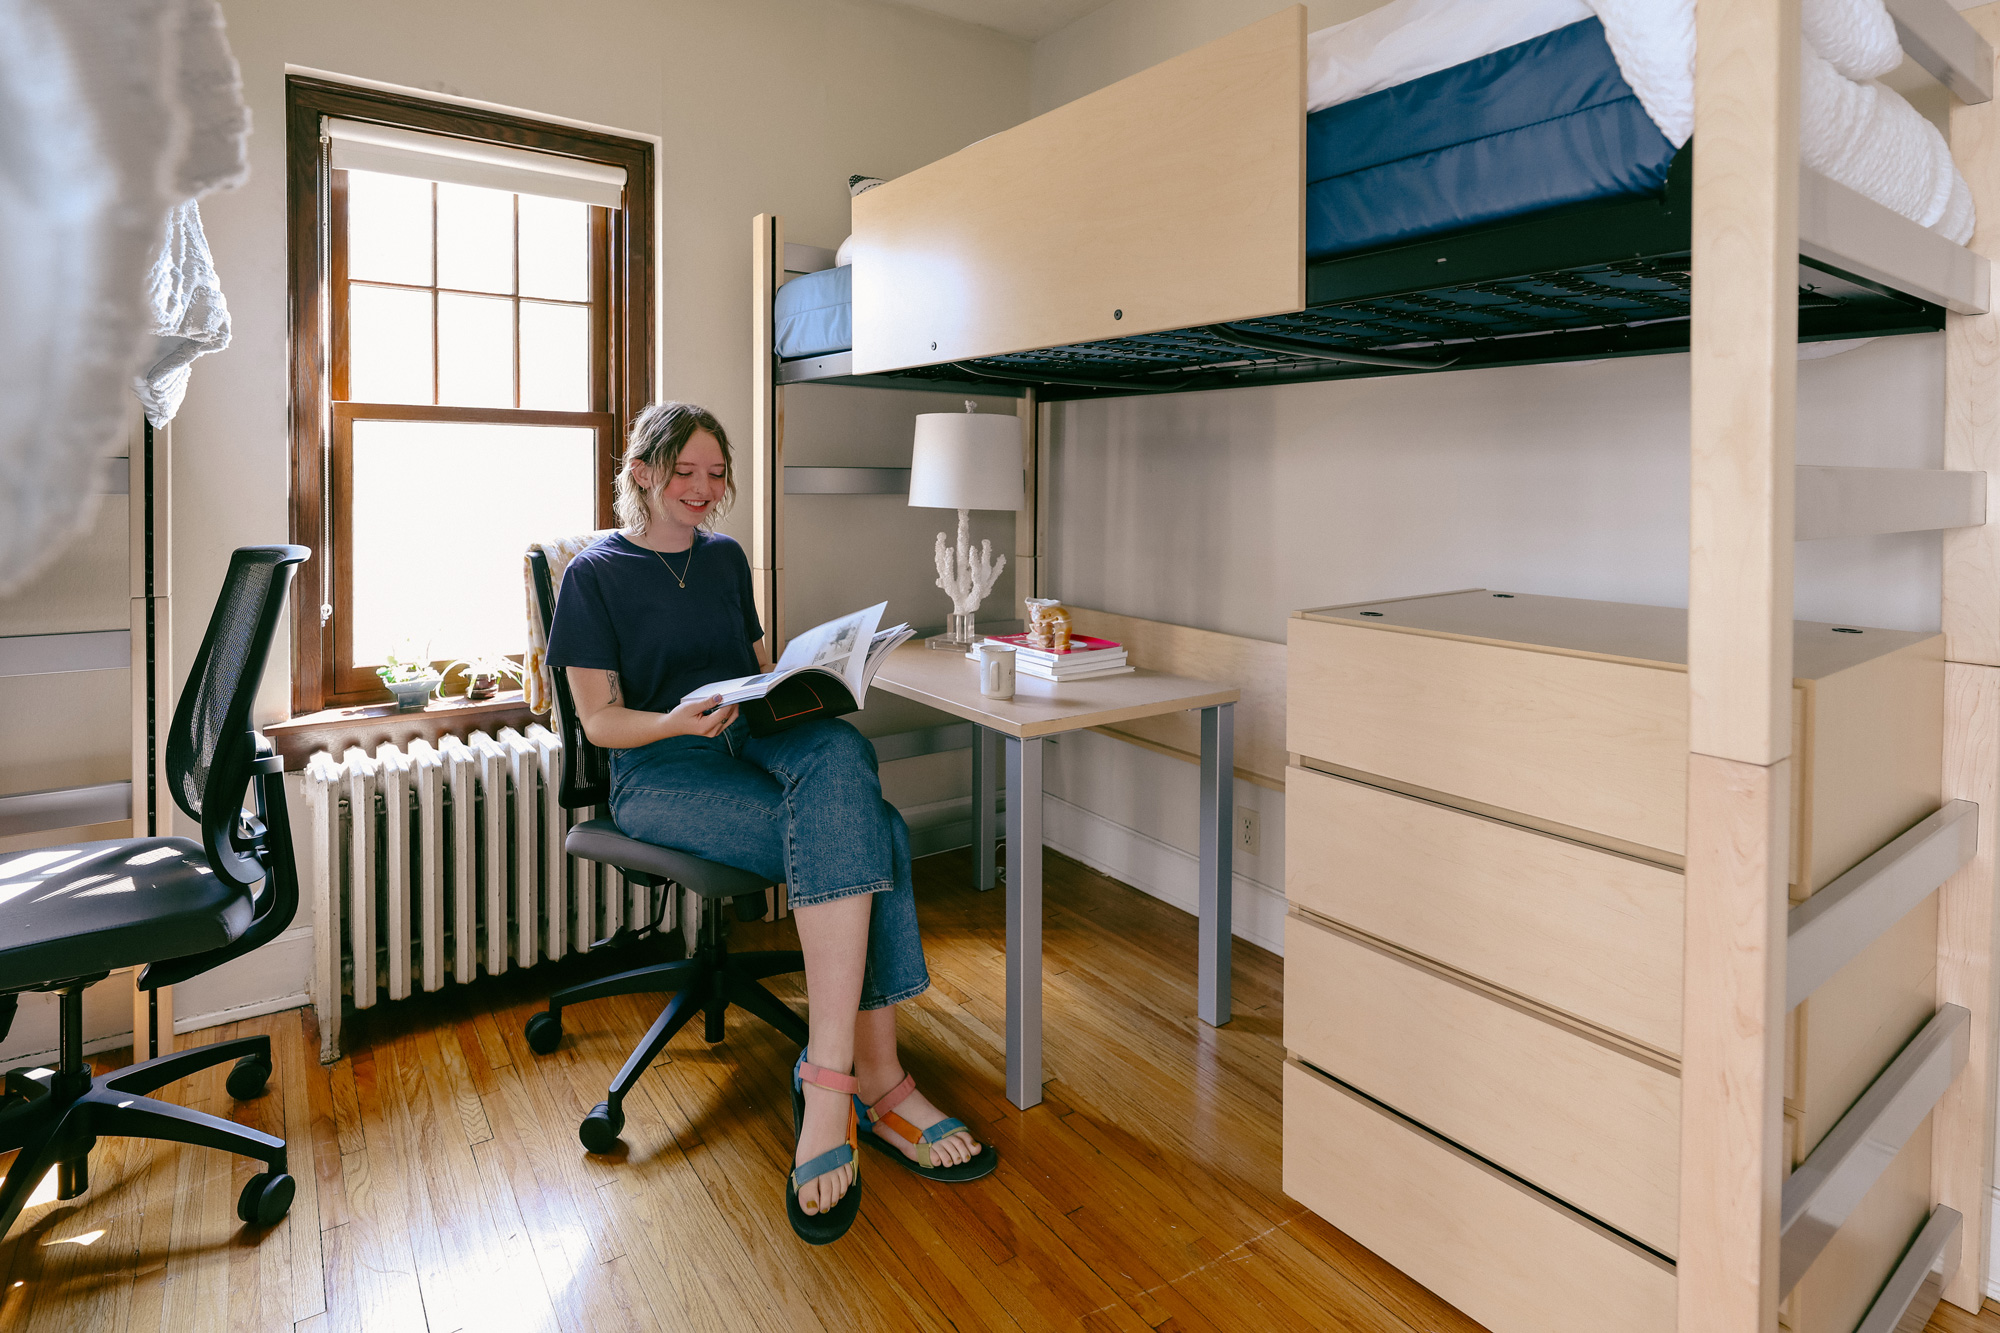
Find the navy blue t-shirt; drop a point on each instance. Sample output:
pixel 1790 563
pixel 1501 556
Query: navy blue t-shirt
pixel 621 610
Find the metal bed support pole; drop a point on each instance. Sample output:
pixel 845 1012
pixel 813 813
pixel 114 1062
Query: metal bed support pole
pixel 150 578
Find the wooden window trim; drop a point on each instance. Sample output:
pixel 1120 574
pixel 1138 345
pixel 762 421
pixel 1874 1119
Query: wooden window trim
pixel 622 240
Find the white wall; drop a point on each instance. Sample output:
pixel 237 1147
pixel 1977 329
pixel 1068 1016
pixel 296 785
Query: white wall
pixel 756 105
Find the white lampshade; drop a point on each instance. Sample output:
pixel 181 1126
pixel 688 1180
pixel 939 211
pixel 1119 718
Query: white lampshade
pixel 966 460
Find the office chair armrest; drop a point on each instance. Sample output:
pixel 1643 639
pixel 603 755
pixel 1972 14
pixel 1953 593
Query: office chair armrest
pixel 276 905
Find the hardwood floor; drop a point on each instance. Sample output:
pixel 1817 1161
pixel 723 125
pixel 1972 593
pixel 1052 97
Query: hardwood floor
pixel 441 1186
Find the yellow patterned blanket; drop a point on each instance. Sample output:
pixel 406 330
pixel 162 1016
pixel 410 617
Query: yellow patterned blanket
pixel 536 684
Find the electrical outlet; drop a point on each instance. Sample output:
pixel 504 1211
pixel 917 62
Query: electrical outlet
pixel 1248 841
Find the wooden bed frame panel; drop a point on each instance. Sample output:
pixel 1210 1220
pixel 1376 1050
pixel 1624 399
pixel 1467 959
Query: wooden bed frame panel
pixel 1962 1145
pixel 1173 198
pixel 1253 665
pixel 1743 359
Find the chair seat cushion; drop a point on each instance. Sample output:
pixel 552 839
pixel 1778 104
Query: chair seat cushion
pixel 600 840
pixel 98 906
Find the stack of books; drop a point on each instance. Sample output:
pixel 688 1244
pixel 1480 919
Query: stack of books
pixel 1085 657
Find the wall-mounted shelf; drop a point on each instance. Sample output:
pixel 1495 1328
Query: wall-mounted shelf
pixel 847 481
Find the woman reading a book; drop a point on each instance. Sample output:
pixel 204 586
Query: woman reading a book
pixel 655 611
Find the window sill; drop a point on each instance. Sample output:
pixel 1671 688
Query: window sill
pixel 368 726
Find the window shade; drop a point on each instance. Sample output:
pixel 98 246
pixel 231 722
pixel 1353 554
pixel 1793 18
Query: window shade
pixel 359 146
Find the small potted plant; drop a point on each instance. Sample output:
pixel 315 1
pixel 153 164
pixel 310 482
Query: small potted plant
pixel 410 677
pixel 484 675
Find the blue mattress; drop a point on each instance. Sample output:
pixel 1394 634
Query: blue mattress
pixel 813 313
pixel 1542 124
pixel 1545 123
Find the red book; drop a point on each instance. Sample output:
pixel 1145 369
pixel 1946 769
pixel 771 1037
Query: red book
pixel 1079 645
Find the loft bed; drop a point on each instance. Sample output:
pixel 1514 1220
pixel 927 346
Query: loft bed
pixel 1154 237
pixel 1322 241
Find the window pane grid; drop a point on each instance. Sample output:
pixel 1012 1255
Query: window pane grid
pixel 534 361
pixel 551 366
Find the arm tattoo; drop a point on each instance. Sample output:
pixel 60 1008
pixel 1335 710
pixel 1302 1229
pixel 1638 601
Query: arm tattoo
pixel 612 676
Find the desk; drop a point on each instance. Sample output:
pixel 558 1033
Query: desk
pixel 1041 709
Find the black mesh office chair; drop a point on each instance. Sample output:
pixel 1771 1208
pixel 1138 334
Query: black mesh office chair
pixel 707 983
pixel 72 915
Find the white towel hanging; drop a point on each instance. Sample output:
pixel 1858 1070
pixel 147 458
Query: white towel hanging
pixel 116 110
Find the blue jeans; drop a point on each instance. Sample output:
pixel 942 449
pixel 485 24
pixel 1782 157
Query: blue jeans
pixel 803 807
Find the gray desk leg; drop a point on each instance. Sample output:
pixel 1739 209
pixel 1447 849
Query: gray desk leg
pixel 1218 789
pixel 984 769
pixel 1024 922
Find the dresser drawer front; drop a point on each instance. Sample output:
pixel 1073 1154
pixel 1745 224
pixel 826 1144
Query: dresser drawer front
pixel 1589 744
pixel 1507 1257
pixel 1591 933
pixel 1595 1127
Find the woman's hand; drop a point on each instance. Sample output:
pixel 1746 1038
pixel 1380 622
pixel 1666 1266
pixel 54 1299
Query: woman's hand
pixel 600 708
pixel 694 719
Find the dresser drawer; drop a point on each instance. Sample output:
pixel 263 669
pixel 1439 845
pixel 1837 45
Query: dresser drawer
pixel 1572 715
pixel 1505 1255
pixel 1594 1126
pixel 1591 933
pixel 1595 745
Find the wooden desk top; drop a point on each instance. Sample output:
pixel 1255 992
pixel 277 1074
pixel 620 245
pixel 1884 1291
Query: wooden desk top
pixel 1039 707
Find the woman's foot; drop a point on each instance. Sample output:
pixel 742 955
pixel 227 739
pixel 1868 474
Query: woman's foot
pixel 825 1128
pixel 954 1149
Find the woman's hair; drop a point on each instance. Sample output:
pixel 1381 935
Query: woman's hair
pixel 657 437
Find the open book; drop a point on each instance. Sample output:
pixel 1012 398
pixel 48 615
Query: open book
pixel 824 672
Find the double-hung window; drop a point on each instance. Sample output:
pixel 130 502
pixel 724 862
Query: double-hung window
pixel 471 326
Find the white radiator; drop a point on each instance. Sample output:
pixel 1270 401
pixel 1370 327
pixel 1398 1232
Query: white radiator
pixel 434 863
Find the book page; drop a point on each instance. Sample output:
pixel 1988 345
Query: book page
pixel 838 647
pixel 886 641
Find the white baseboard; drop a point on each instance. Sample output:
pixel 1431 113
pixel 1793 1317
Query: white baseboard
pixel 1158 870
pixel 255 1009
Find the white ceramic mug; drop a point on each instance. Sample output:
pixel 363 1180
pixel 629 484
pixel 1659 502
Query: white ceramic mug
pixel 996 670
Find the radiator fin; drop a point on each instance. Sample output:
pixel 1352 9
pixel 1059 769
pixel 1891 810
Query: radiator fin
pixel 438 863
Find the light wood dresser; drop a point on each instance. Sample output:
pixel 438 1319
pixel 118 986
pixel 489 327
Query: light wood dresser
pixel 1485 813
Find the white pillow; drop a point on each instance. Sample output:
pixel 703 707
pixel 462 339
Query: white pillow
pixel 856 187
pixel 1407 39
pixel 1856 37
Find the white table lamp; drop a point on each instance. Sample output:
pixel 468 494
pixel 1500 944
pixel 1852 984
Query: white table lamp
pixel 966 461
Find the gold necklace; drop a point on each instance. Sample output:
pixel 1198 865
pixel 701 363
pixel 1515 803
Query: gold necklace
pixel 686 569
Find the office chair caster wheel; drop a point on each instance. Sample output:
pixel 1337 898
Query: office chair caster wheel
pixel 544 1032
pixel 248 1078
pixel 266 1198
pixel 599 1130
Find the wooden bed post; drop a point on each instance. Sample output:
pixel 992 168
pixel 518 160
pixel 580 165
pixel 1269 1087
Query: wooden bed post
pixel 1962 1126
pixel 1028 522
pixel 1743 372
pixel 767 432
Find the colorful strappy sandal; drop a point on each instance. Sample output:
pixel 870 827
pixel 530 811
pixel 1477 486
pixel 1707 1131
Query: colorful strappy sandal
pixel 884 1113
pixel 822 1228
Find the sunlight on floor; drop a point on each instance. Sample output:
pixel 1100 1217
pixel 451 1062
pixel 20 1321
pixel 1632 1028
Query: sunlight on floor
pixel 44 1192
pixel 87 1238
